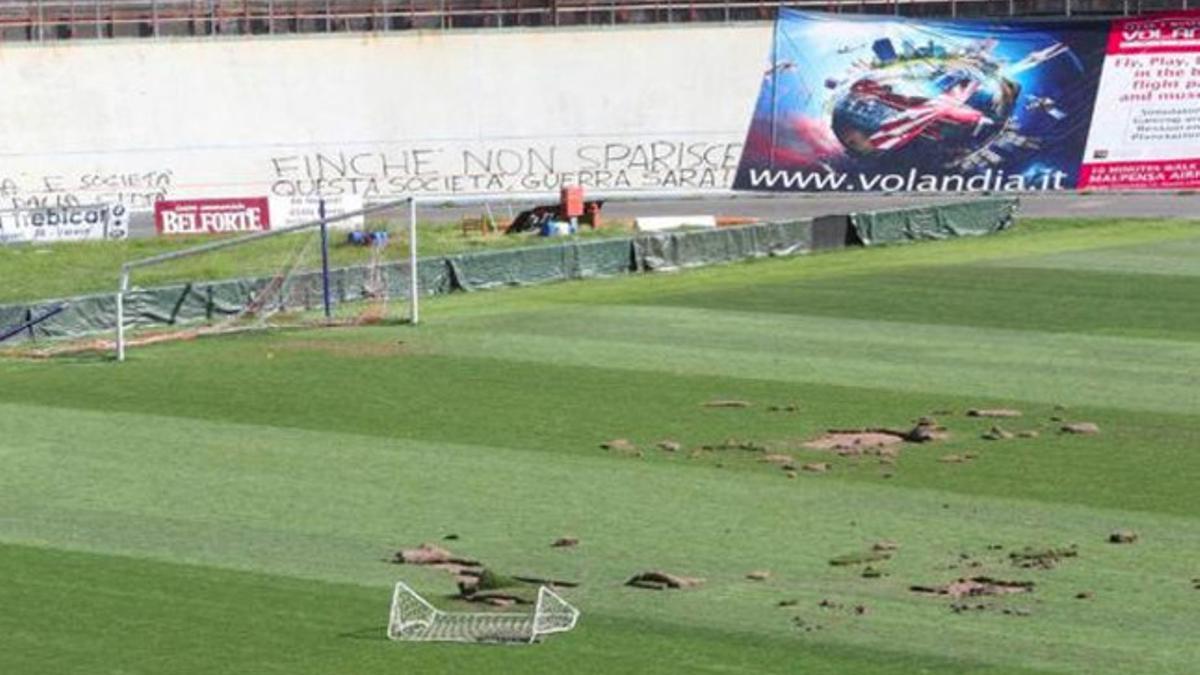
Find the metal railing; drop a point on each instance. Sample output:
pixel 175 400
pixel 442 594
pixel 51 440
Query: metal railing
pixel 45 20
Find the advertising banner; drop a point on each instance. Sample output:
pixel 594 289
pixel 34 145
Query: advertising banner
pixel 862 104
pixel 306 209
pixel 64 223
pixel 1146 129
pixel 212 216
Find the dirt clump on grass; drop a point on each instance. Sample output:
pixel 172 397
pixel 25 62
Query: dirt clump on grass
pixel 726 403
pixel 926 430
pixel 997 433
pixel 463 569
pixel 861 558
pixel 735 444
pixel 975 587
pixel 488 587
pixel 1123 537
pixel 669 446
pixel 993 412
pixel 565 542
pixel 497 598
pixel 759 575
pixel 1081 428
pixel 660 581
pixel 430 554
pixel 1042 558
pixel 815 467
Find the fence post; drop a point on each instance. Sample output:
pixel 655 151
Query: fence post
pixel 413 309
pixel 122 287
pixel 325 260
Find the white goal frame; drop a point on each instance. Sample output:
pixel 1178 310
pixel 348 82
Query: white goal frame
pixel 413 619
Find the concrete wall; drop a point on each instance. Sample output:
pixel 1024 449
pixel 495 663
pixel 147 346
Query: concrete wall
pixel 382 116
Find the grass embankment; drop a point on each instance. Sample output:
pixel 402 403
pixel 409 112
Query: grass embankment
pixel 225 505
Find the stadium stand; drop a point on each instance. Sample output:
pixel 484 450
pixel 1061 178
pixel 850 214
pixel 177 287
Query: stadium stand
pixel 48 20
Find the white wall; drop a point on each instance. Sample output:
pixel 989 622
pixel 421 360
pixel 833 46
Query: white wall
pixel 653 107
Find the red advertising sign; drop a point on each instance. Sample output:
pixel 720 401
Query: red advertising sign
pixel 1168 33
pixel 212 216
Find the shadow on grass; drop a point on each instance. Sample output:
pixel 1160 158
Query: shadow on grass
pixel 374 633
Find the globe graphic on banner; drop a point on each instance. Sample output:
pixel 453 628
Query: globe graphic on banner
pixel 942 107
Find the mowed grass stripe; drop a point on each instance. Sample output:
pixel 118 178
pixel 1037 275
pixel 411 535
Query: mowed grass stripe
pixel 1046 300
pixel 1131 373
pixel 509 504
pixel 1174 258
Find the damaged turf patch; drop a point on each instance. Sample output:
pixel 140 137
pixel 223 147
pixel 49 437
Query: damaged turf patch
pixel 464 570
pixel 430 554
pixel 862 558
pixel 726 403
pixel 879 441
pixel 974 587
pixel 661 581
pixel 623 445
pixel 997 433
pixel 858 441
pixel 993 412
pixel 1042 558
pixel 1123 537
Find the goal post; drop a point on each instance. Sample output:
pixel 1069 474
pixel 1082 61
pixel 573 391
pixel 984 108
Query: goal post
pixel 293 266
pixel 404 213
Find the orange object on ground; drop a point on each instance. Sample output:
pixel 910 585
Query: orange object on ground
pixel 571 202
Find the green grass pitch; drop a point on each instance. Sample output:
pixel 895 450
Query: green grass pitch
pixel 226 505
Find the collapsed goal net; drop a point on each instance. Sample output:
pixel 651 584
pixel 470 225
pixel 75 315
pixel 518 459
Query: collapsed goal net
pixel 413 619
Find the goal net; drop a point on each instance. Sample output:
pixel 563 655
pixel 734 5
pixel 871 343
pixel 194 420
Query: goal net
pixel 349 269
pixel 412 618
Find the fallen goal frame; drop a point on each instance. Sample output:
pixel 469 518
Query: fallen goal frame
pixel 412 619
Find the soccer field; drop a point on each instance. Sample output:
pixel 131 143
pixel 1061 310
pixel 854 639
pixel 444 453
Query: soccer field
pixel 228 505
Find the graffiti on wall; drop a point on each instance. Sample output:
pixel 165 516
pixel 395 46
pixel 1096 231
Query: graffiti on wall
pixel 658 164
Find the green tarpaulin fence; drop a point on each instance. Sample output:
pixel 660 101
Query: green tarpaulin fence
pixel 197 302
pixel 673 250
pixel 976 217
pixel 540 264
